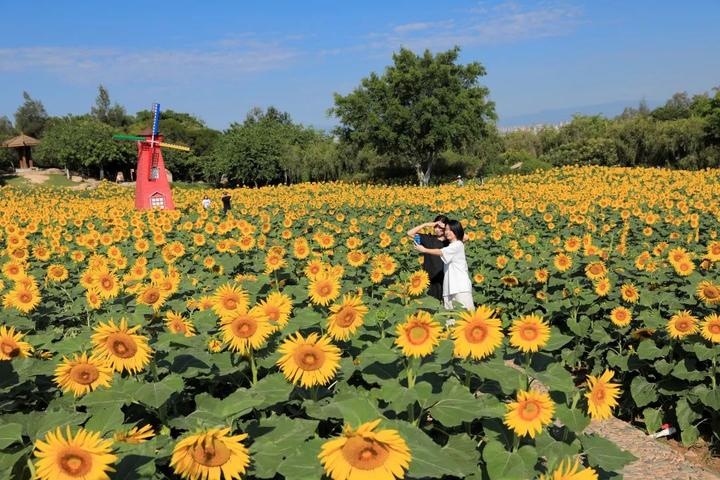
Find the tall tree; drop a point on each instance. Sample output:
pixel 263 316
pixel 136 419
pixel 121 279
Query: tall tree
pixel 114 115
pixel 31 117
pixel 6 131
pixel 420 107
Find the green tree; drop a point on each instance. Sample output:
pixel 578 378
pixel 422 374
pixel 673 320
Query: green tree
pixel 31 117
pixel 422 106
pixel 83 143
pixel 113 115
pixel 7 155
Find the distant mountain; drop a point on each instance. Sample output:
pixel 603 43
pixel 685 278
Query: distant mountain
pixel 560 115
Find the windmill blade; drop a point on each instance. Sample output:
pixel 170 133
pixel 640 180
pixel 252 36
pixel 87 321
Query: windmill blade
pixel 174 147
pixel 156 119
pixel 128 137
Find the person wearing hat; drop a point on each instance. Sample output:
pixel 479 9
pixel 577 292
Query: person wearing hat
pixel 459 181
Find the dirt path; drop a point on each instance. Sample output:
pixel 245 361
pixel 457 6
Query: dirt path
pixel 655 458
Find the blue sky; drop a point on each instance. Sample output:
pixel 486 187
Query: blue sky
pixel 217 59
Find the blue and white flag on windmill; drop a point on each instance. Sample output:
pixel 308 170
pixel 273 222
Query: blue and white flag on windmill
pixel 156 119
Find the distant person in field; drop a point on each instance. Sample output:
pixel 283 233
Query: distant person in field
pixel 456 282
pixel 206 202
pixel 119 178
pixel 226 202
pixel 459 181
pixel 432 264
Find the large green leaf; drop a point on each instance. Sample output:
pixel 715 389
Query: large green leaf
pixel 572 418
pixel 642 391
pixel 605 454
pixel 354 411
pixel 275 439
pixel 104 419
pixel 455 405
pixel 556 377
pixel 380 352
pixel 273 389
pixel 155 394
pixel 10 433
pixel 509 379
pixel 649 351
pixel 557 340
pixel 653 419
pixel 504 465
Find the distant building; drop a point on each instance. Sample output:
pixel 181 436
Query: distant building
pixel 532 128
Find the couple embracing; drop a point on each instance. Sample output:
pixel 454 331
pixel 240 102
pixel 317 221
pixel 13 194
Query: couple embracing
pixel 445 262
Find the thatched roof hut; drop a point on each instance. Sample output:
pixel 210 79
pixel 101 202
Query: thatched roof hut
pixel 22 144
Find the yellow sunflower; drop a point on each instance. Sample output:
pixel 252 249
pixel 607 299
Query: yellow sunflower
pixel 356 258
pixel 277 308
pixel 365 454
pixel 562 262
pixel 418 283
pixel 11 344
pixel 529 413
pixel 711 328
pixel 229 300
pixel 211 454
pixel 151 295
pixel 529 333
pixel 135 435
pixel 121 346
pixel 629 293
pixel 84 455
pixel 682 324
pixel 621 316
pixel 323 289
pixel 602 287
pixel 176 323
pixel 596 270
pixel 82 374
pixel 708 292
pixel 418 335
pixel 571 471
pixel 346 317
pixel 245 330
pixel 24 298
pixel 541 275
pixel 309 361
pixel 477 334
pixel 57 273
pixel 684 267
pixel 107 284
pixel 602 395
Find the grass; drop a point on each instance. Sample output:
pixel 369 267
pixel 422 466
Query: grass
pixel 14 181
pixel 58 180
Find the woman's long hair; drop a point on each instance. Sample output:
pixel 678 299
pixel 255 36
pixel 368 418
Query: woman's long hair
pixel 457 229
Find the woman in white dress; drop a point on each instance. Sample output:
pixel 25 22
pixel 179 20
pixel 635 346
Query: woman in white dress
pixel 456 284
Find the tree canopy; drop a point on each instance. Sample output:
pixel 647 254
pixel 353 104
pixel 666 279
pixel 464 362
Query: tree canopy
pixel 420 107
pixel 31 117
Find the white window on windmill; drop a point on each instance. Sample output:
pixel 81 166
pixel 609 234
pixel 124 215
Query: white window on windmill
pixel 154 173
pixel 157 200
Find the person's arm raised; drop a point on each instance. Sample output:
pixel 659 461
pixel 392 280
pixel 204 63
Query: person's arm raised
pixel 429 251
pixel 411 233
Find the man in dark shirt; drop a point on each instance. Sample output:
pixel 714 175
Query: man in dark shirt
pixel 433 264
pixel 226 202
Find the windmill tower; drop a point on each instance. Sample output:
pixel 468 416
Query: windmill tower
pixel 152 189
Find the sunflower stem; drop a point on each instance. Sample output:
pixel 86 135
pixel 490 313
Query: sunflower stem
pixel 314 393
pixel 714 372
pixel 253 366
pixel 410 373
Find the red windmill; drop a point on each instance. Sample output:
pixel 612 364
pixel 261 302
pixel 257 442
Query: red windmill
pixel 152 189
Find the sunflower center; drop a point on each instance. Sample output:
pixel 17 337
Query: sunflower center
pixel 418 334
pixel 365 454
pixel 714 328
pixel 683 325
pixel 476 333
pixel 598 394
pixel 244 327
pixel 230 303
pixel 84 374
pixel 178 326
pixel 211 453
pixel 25 297
pixel 325 289
pixel 309 357
pixel 529 410
pixel 75 462
pixel 345 318
pixel 620 316
pixel 152 296
pixel 711 292
pixel 9 348
pixel 596 269
pixel 121 345
pixel 107 283
pixel 273 313
pixel 529 332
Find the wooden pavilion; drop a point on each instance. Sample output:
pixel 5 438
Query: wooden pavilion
pixel 22 144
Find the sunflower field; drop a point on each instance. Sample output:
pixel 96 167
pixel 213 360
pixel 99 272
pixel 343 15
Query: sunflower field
pixel 292 338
